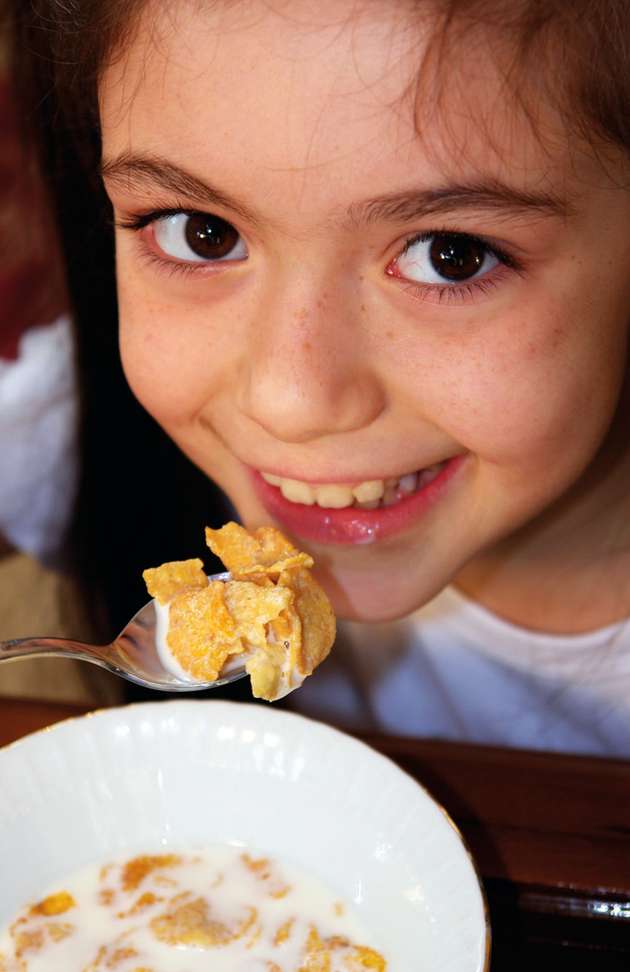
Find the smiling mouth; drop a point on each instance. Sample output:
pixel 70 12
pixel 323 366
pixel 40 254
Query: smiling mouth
pixel 370 494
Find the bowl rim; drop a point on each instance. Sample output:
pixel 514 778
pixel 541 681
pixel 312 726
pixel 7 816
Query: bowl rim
pixel 104 712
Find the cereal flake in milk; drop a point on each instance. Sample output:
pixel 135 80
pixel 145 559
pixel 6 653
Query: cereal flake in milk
pixel 223 909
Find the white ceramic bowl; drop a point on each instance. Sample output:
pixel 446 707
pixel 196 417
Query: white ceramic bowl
pixel 189 773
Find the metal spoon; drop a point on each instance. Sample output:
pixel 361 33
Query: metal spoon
pixel 132 655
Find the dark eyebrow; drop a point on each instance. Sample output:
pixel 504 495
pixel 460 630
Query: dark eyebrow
pixel 498 198
pixel 490 196
pixel 140 171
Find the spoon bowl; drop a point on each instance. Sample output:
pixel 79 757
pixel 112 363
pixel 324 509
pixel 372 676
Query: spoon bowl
pixel 133 655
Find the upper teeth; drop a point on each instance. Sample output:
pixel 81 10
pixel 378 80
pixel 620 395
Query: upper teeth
pixel 368 495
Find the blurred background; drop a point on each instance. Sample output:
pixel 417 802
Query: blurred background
pixel 91 490
pixel 38 421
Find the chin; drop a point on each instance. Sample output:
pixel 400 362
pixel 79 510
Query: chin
pixel 374 598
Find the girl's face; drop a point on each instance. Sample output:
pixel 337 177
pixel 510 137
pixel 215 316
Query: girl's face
pixel 313 295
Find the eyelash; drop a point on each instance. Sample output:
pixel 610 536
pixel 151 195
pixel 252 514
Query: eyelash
pixel 141 221
pixel 445 293
pixel 435 293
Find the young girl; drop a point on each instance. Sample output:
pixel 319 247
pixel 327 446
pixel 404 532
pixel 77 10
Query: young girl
pixel 372 272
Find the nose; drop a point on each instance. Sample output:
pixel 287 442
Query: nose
pixel 307 372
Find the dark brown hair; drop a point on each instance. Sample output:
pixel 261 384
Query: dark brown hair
pixel 579 49
pixel 141 501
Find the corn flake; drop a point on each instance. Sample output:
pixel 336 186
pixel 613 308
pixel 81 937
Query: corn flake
pixel 316 615
pixel 265 551
pixel 54 904
pixel 164 582
pixel 271 611
pixel 202 634
pixel 253 607
pixel 321 953
pixel 191 924
pixel 138 868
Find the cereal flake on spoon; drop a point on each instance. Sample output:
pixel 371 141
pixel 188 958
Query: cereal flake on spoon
pixel 271 614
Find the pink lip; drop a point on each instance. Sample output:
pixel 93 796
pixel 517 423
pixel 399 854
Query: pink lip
pixel 351 525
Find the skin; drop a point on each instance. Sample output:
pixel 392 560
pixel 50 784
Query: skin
pixel 310 360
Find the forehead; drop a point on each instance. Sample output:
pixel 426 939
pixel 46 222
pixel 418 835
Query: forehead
pixel 316 98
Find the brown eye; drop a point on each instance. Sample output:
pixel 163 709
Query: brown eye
pixel 456 257
pixel 198 238
pixel 210 237
pixel 445 258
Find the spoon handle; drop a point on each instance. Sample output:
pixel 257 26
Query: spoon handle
pixel 23 647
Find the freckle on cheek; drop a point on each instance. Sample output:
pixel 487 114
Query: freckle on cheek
pixel 556 337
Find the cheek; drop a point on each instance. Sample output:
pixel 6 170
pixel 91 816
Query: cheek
pixel 163 355
pixel 533 389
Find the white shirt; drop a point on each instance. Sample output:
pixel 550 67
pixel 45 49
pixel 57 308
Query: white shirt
pixel 453 670
pixel 38 440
